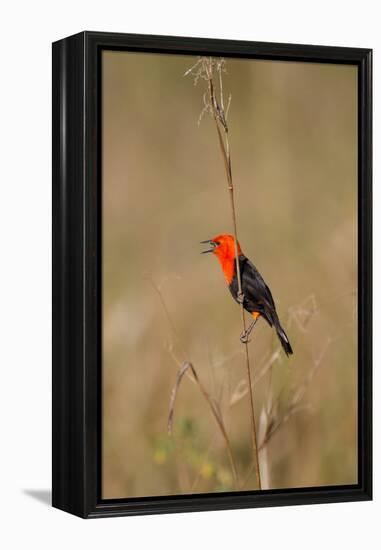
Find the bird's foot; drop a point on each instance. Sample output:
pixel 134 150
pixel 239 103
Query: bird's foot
pixel 240 297
pixel 246 333
pixel 244 337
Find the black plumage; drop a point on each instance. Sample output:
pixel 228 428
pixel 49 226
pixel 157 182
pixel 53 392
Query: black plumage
pixel 257 298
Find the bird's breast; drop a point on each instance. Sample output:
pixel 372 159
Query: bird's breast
pixel 228 269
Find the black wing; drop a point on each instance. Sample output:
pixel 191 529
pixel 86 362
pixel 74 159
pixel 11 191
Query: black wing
pixel 257 295
pixel 258 298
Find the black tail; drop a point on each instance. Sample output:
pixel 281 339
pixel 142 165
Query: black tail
pixel 283 339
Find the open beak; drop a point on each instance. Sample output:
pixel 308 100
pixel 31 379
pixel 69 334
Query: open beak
pixel 211 243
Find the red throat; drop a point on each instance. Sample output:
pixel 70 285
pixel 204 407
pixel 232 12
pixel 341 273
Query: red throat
pixel 225 252
pixel 228 268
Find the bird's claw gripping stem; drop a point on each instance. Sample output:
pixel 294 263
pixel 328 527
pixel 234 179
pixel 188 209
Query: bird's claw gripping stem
pixel 246 333
pixel 240 297
pixel 244 337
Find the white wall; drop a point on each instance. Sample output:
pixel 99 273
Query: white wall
pixel 27 30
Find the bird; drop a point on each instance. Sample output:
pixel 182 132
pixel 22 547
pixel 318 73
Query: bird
pixel 256 296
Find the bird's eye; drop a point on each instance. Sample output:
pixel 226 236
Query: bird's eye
pixel 217 243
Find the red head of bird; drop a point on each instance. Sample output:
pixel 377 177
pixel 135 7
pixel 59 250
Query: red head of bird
pixel 223 246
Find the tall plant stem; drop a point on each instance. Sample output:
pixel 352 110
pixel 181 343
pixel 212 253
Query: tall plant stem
pixel 219 116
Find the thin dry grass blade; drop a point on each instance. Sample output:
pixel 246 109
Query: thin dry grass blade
pixel 212 406
pixel 182 370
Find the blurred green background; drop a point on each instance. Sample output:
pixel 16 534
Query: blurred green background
pixel 293 137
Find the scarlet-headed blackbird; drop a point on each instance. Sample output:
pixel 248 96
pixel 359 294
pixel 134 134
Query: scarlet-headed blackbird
pixel 256 295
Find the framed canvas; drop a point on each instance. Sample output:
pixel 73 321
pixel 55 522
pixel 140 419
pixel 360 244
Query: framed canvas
pixel 241 376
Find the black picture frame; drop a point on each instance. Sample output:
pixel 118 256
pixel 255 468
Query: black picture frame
pixel 77 257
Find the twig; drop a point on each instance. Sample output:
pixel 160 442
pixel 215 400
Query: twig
pixel 218 113
pixel 184 368
pixel 214 410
